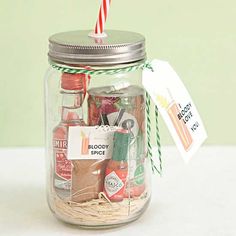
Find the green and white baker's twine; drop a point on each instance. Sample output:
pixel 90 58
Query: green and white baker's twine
pixel 89 71
pixel 158 140
pixel 154 168
pixel 92 72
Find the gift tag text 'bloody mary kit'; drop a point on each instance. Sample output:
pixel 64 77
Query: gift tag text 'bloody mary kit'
pixel 176 107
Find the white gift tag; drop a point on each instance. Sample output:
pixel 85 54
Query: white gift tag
pixel 176 107
pixel 90 142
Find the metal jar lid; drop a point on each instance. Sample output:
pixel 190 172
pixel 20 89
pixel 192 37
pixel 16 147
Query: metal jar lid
pixel 78 48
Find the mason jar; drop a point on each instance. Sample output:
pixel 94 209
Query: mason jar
pixel 98 172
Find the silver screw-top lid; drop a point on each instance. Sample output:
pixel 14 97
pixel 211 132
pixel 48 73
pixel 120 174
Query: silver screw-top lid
pixel 78 48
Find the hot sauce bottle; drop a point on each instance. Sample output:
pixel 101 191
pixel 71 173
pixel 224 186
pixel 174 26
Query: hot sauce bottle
pixel 71 115
pixel 117 168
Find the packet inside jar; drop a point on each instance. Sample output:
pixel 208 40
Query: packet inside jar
pixel 89 149
pixel 87 179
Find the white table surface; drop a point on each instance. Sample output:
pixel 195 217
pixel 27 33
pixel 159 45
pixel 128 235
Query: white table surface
pixel 194 199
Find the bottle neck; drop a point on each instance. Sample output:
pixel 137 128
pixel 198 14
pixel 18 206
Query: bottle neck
pixel 71 106
pixel 121 145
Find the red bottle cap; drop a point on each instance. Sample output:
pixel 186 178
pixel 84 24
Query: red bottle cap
pixel 123 131
pixel 73 81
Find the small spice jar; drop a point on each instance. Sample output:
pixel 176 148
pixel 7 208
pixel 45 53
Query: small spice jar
pixel 98 173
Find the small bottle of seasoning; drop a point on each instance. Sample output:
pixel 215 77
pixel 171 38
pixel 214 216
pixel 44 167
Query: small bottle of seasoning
pixel 117 168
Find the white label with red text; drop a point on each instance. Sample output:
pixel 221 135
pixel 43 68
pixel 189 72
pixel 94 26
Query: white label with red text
pixel 113 184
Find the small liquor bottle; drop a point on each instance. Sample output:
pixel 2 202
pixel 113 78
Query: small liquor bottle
pixel 71 115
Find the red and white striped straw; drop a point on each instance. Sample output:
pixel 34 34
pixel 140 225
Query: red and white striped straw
pixel 103 12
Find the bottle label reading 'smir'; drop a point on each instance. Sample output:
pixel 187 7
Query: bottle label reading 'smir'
pixel 63 168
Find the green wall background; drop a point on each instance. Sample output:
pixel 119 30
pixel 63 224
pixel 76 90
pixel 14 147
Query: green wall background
pixel 198 38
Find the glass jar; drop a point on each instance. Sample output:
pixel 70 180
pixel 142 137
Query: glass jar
pixel 98 173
